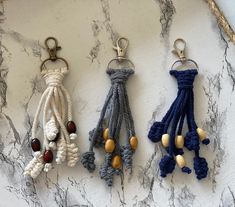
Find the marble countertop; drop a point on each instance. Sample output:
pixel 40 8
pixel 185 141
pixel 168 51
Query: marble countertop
pixel 86 30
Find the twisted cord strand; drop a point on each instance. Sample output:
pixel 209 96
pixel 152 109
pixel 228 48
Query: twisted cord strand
pixel 222 21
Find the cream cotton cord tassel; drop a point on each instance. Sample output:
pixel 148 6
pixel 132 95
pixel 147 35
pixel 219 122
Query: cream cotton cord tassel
pixel 59 130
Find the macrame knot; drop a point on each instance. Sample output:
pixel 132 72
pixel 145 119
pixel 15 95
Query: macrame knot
pixel 127 154
pixel 98 138
pixel 108 177
pixel 105 165
pixel 156 131
pixel 107 172
pixel 88 160
pixel 200 167
pixel 175 150
pixel 51 129
pixel 191 141
pixel 119 75
pixel 185 78
pixel 186 170
pixel 206 141
pixel 53 78
pixel 167 165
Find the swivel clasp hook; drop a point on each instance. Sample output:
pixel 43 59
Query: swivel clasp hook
pixel 121 48
pixel 180 52
pixel 52 50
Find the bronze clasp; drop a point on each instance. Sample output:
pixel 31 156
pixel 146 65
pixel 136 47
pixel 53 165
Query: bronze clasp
pixel 52 50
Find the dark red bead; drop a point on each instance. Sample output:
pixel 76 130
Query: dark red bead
pixel 71 127
pixel 35 144
pixel 48 156
pixel 56 137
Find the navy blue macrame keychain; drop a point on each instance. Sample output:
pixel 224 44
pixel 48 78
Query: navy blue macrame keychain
pixel 106 135
pixel 169 130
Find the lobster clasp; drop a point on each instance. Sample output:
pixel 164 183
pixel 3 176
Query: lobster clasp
pixel 52 50
pixel 180 51
pixel 121 47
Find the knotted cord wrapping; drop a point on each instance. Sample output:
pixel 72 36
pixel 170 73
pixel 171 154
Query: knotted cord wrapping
pixel 57 111
pixel 182 108
pixel 106 134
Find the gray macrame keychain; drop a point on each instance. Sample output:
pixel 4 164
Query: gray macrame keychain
pixel 116 109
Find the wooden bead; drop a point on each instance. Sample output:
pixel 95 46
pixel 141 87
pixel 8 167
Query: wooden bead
pixel 179 141
pixel 71 127
pixel 106 134
pixel 116 162
pixel 48 156
pixel 180 161
pixel 35 144
pixel 165 140
pixel 201 134
pixel 109 145
pixel 133 142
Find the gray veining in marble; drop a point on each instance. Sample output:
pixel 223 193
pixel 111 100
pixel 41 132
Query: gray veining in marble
pixel 87 30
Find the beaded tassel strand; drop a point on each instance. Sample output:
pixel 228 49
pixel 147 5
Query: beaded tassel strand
pixel 57 110
pixel 182 108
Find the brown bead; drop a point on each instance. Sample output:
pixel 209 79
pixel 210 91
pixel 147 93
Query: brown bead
pixel 56 137
pixel 35 144
pixel 48 156
pixel 109 145
pixel 116 162
pixel 106 134
pixel 71 127
pixel 134 142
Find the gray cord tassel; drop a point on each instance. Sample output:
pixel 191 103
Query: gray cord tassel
pixel 116 109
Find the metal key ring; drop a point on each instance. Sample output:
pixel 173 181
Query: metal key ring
pixel 182 63
pixel 123 60
pixel 43 64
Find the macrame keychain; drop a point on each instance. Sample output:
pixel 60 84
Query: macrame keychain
pixel 169 130
pixel 56 107
pixel 107 132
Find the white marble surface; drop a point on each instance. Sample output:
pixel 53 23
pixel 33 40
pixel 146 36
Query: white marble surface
pixel 86 31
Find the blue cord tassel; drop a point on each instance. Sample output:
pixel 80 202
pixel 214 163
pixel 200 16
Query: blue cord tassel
pixel 181 109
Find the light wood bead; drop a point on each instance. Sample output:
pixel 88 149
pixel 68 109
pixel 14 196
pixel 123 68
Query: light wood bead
pixel 165 140
pixel 179 141
pixel 180 161
pixel 201 134
pixel 116 162
pixel 134 142
pixel 106 134
pixel 109 145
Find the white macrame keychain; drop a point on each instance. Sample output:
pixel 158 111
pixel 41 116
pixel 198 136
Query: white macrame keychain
pixel 58 128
